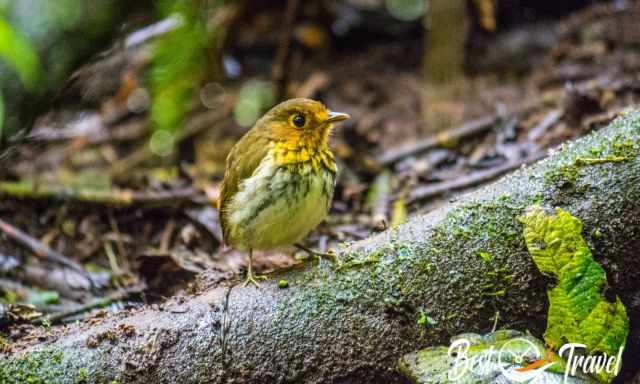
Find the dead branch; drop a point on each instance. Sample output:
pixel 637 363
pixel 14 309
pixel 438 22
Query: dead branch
pixel 111 197
pixel 470 128
pixel 98 303
pixel 475 178
pixel 543 126
pixel 40 249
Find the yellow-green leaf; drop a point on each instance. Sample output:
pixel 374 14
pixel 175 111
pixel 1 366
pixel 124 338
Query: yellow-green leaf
pixel 578 310
pixel 20 55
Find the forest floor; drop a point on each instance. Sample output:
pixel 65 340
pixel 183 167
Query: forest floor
pixel 91 224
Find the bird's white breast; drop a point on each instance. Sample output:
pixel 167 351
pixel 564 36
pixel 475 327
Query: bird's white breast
pixel 276 207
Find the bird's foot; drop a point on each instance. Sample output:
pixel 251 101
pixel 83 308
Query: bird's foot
pixel 253 279
pixel 330 255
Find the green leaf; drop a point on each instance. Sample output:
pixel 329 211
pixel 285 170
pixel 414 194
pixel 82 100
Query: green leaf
pixel 178 66
pixel 578 310
pixel 552 243
pixel 40 298
pixel 18 53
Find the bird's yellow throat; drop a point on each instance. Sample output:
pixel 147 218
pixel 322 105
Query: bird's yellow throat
pixel 302 149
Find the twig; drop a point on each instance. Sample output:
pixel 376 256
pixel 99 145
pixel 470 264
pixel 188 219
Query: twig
pixel 113 260
pixel 472 127
pixel 119 243
pixel 280 71
pixel 152 31
pixel 550 119
pixel 116 197
pixel 327 255
pixel 102 302
pixel 475 178
pixel 495 321
pixel 606 117
pixel 40 249
pixel 167 234
pixel 91 130
pixel 68 283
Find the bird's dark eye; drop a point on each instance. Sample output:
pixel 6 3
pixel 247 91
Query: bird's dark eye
pixel 299 120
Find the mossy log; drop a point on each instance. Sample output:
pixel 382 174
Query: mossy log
pixel 459 265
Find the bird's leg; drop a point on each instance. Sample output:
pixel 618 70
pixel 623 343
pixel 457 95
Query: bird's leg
pixel 327 255
pixel 251 278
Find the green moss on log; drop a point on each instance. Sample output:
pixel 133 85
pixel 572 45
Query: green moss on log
pixel 35 368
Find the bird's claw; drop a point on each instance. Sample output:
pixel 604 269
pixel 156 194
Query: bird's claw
pixel 330 255
pixel 253 279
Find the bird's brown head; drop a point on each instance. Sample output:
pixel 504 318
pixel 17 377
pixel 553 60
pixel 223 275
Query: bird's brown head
pixel 299 123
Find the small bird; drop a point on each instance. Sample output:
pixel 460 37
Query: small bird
pixel 279 178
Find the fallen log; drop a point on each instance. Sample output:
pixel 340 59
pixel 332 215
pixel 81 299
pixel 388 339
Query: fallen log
pixel 352 324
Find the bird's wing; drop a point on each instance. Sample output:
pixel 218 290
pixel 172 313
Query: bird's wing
pixel 242 161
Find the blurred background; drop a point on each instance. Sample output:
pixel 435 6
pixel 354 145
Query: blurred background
pixel 116 118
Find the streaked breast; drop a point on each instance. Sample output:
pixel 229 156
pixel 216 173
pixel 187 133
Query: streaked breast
pixel 280 205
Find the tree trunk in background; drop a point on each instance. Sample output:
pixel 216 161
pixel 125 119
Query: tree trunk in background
pixel 351 325
pixel 446 32
pixel 444 85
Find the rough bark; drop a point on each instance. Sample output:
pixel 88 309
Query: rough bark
pixel 352 324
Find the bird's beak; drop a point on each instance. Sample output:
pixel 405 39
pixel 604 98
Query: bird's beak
pixel 335 117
